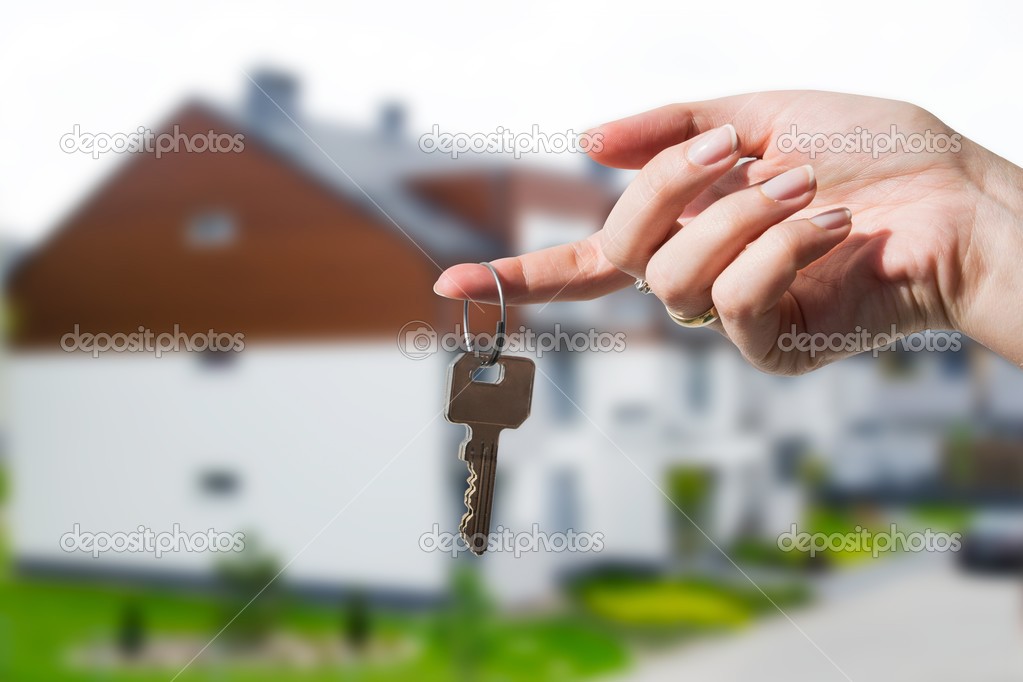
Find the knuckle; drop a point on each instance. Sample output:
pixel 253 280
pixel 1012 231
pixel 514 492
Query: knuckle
pixel 588 257
pixel 616 250
pixel 666 280
pixel 663 175
pixel 738 213
pixel 780 364
pixel 732 299
pixel 731 212
pixel 660 286
pixel 785 244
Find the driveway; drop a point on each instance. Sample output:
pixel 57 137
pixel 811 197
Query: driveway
pixel 915 620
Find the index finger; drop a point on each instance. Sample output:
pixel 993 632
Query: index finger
pixel 600 264
pixel 569 272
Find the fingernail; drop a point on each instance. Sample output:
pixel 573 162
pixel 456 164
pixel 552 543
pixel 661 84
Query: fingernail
pixel 790 184
pixel 833 219
pixel 713 145
pixel 438 283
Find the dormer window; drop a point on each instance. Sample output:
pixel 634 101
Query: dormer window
pixel 212 229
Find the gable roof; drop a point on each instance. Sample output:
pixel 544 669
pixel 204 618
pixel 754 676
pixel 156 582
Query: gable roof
pixel 319 175
pixel 373 170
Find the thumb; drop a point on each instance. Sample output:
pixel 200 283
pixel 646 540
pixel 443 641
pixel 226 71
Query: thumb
pixel 631 142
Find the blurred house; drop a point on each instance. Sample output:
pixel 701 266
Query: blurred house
pixel 919 426
pixel 8 255
pixel 321 244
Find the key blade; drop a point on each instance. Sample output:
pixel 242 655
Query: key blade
pixel 479 451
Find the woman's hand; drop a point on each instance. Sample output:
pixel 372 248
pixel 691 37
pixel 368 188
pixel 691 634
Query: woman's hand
pixel 821 242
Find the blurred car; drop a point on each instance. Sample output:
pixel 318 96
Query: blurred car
pixel 993 542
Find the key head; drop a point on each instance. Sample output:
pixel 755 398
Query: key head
pixel 504 404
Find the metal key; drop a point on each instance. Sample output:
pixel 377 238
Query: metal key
pixel 486 409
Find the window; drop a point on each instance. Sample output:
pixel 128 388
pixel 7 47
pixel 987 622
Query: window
pixel 564 493
pixel 212 229
pixel 563 372
pixel 955 364
pixel 789 456
pixel 632 413
pixel 218 483
pixel 699 385
pixel 213 359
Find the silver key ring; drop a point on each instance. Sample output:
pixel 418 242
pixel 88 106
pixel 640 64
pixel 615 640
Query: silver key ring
pixel 500 336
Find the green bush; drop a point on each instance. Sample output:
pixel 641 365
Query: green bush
pixel 689 491
pixel 666 605
pixel 653 604
pixel 356 621
pixel 757 552
pixel 249 619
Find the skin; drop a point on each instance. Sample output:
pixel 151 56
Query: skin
pixel 934 241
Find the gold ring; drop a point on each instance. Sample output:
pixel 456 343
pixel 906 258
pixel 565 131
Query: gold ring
pixel 699 321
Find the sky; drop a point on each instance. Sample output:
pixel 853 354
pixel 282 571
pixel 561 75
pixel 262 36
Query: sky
pixel 469 66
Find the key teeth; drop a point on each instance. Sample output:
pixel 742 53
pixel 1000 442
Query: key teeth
pixel 470 490
pixel 467 517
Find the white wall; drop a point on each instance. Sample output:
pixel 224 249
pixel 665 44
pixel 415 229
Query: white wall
pixel 115 442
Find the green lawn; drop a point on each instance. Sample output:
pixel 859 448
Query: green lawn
pixel 41 621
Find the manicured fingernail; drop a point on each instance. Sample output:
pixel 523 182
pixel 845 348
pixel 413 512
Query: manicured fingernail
pixel 713 145
pixel 833 219
pixel 790 184
pixel 441 281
